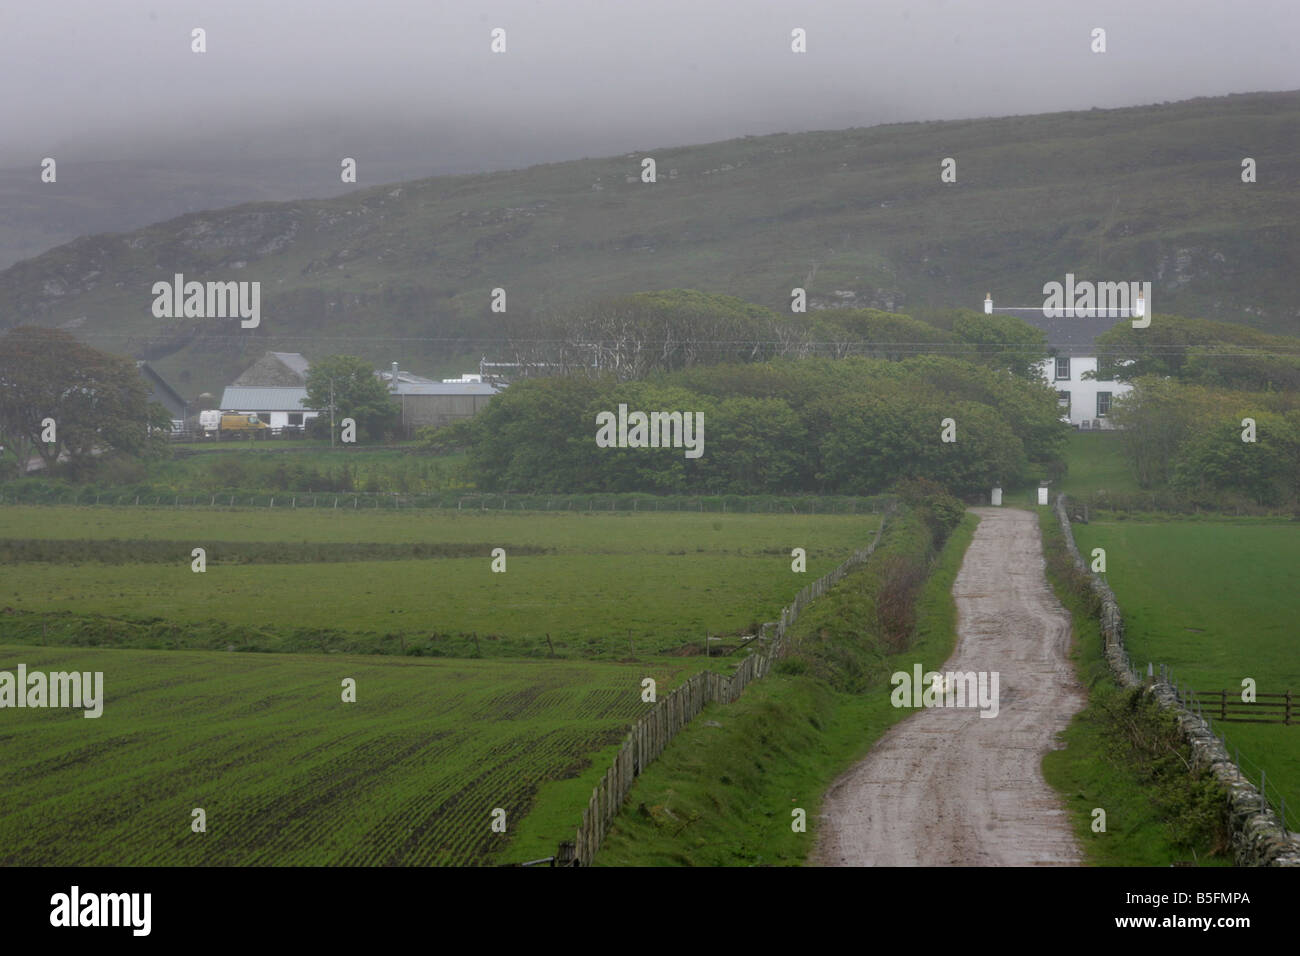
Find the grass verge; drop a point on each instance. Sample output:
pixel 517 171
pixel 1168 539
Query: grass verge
pixel 724 791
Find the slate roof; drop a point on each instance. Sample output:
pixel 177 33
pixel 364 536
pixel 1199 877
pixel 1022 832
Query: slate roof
pixel 160 391
pixel 296 361
pixel 276 370
pixel 1069 335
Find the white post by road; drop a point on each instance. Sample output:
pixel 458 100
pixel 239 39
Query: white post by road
pixel 997 497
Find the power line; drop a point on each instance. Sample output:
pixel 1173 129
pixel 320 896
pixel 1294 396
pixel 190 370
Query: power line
pixel 718 344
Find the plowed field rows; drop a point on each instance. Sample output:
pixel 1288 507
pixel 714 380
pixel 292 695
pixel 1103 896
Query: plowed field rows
pixel 288 773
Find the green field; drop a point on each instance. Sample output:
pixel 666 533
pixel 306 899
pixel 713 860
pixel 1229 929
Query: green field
pixel 1096 463
pixel 606 585
pixel 288 773
pixel 612 532
pixel 1217 600
pixel 290 466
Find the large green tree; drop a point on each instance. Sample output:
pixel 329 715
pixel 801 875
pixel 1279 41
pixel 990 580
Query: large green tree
pixel 1265 471
pixel 88 402
pixel 1002 342
pixel 1221 354
pixel 356 392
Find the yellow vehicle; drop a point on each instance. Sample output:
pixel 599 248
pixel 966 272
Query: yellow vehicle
pixel 239 425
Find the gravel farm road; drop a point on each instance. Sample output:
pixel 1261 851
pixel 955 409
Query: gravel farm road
pixel 945 786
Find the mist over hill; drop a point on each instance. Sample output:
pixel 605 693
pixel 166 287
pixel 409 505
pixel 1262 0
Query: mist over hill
pixel 859 217
pixel 127 182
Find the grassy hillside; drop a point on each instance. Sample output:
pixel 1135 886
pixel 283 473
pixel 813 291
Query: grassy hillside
pixel 859 217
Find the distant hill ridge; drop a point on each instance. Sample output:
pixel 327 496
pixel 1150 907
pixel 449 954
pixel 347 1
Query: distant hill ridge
pixel 858 217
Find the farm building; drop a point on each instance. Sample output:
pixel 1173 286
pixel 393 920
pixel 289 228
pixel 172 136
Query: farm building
pixel 276 370
pixel 1071 340
pixel 278 407
pixel 425 402
pixel 161 392
pixel 441 403
pixel 274 388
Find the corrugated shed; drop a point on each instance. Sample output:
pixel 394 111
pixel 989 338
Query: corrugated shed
pixel 239 398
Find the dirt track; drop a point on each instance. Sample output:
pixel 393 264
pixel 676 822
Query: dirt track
pixel 946 786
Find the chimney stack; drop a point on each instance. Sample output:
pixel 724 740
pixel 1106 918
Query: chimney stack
pixel 988 303
pixel 392 384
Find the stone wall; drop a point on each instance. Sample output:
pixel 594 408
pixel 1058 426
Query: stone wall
pixel 1259 837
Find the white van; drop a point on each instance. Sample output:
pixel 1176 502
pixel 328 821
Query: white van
pixel 210 422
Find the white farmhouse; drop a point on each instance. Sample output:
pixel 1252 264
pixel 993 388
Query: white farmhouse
pixel 1084 380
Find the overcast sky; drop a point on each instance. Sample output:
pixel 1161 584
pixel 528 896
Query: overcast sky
pixel 114 78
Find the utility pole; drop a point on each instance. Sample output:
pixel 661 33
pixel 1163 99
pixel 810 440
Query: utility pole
pixel 331 412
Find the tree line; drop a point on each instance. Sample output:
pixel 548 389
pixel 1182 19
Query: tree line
pixel 849 426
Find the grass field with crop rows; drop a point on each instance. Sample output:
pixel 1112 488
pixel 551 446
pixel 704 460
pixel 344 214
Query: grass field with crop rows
pixel 289 774
pixel 286 771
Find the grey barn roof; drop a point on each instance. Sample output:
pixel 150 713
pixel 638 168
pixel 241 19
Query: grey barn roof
pixel 1068 335
pixel 446 388
pixel 242 398
pixel 160 391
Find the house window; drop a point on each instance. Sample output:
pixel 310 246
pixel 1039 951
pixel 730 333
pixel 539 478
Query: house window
pixel 1103 404
pixel 1063 400
pixel 1062 368
pixel 295 418
pixel 1105 370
